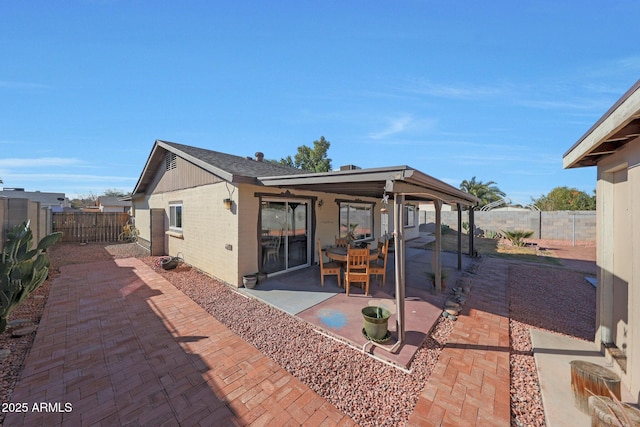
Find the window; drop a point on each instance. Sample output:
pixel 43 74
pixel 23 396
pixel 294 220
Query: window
pixel 356 219
pixel 175 216
pixel 409 216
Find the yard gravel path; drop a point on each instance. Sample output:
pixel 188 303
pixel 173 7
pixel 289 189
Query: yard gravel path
pixel 372 393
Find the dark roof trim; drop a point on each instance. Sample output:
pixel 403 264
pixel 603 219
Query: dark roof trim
pixel 612 141
pixel 373 183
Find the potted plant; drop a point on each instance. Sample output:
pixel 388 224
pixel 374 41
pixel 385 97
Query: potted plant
pixel 249 280
pixel 443 278
pixel 376 321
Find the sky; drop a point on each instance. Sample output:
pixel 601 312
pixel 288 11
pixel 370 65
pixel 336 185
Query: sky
pixel 497 90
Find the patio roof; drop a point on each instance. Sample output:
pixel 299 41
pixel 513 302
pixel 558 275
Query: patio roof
pixel 375 182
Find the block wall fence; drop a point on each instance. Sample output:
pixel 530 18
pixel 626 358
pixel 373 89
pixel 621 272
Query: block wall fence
pixel 555 225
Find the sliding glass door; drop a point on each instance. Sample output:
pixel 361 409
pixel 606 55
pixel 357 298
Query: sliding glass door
pixel 285 234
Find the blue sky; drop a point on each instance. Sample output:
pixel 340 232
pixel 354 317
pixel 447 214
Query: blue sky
pixel 497 89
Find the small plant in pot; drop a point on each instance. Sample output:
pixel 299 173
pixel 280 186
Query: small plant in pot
pixel 376 323
pixel 443 278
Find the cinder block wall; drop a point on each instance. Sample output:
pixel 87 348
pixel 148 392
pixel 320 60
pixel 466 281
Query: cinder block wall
pixel 556 225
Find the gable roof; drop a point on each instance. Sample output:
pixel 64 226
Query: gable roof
pixel 113 201
pixel 373 182
pixel 231 168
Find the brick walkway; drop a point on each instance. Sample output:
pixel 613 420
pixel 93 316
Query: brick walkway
pixel 470 384
pixel 125 347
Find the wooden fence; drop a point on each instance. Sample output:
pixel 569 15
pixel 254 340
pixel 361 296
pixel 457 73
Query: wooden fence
pixel 90 226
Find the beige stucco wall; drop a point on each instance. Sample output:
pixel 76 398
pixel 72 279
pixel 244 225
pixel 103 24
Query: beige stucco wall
pixel 225 242
pixel 209 239
pixel 618 256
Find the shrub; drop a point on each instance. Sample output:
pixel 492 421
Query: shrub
pixel 22 269
pixel 516 237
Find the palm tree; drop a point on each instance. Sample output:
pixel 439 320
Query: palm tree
pixel 487 192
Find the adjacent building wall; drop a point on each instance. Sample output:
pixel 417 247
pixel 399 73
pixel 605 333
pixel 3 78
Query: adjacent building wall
pixel 15 211
pixel 618 255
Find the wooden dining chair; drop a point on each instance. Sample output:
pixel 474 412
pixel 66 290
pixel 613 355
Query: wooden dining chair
pixel 357 268
pixel 342 242
pixel 379 267
pixel 328 268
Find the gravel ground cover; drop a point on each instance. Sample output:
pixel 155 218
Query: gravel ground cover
pixel 372 393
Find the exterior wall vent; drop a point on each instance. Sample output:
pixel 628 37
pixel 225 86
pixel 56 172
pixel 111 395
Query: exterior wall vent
pixel 170 161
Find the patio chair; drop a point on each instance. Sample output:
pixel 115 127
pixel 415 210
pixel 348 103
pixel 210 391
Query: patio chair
pixel 379 267
pixel 328 268
pixel 357 269
pixel 342 242
pixel 272 249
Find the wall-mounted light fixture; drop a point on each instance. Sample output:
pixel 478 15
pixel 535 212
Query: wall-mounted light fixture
pixel 228 202
pixel 320 203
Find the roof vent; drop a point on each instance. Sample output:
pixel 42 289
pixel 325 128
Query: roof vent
pixel 259 156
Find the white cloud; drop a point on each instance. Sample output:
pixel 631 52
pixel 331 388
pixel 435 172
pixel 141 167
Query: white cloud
pixel 39 162
pixel 36 177
pixel 401 125
pixel 424 87
pixel 21 85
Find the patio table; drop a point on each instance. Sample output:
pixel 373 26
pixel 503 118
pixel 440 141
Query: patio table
pixel 339 253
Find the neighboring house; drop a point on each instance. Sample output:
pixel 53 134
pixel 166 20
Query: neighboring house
pixel 612 144
pixel 113 204
pixel 230 215
pixel 55 202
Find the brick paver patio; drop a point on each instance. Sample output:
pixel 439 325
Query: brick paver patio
pixel 124 346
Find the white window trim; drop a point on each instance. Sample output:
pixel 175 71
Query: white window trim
pixel 172 227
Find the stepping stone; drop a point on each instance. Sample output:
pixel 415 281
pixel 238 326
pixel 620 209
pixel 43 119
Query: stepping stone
pixel 21 332
pixel 18 322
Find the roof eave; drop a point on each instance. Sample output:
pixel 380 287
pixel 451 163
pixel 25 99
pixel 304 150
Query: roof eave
pixel 613 128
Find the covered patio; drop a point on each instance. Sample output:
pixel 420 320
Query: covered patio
pixel 406 294
pixel 337 315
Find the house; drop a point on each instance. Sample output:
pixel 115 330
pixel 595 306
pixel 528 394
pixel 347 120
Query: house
pixel 612 145
pixel 231 215
pixel 55 202
pixel 112 204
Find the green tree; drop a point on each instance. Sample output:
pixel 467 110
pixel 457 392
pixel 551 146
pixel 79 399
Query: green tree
pixel 566 199
pixel 311 159
pixel 113 192
pixel 487 192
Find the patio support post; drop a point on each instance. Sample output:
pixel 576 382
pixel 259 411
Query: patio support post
pixel 398 228
pixel 437 247
pixel 459 207
pixel 472 228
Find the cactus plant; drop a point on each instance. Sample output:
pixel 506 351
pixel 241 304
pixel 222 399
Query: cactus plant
pixel 22 269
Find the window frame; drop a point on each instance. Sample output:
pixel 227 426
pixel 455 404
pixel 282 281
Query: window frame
pixel 369 206
pixel 409 216
pixel 174 209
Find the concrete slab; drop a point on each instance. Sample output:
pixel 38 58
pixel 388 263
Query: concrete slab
pixel 553 354
pixel 296 291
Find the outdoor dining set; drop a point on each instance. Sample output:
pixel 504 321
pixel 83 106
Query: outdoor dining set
pixel 356 264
